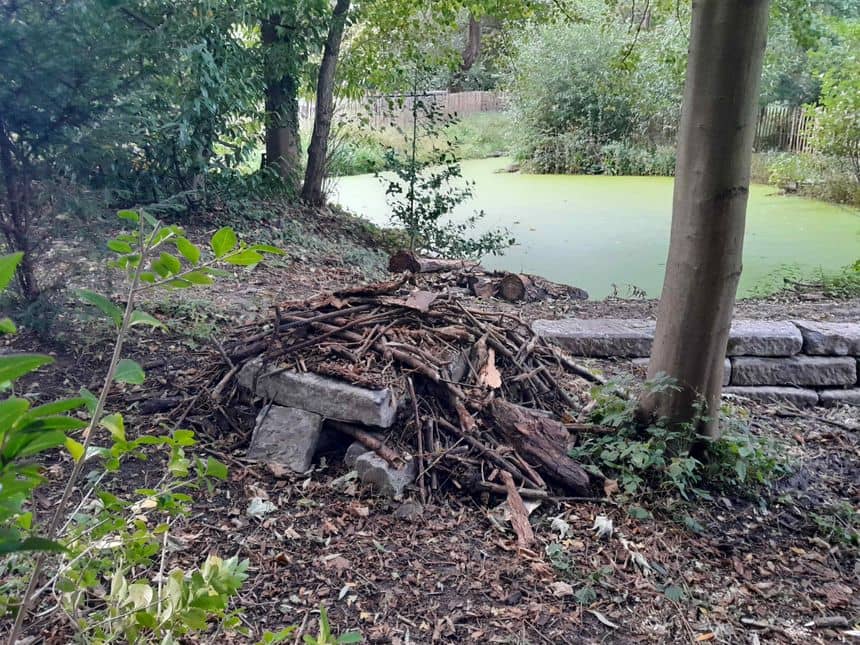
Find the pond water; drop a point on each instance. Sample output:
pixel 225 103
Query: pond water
pixel 595 232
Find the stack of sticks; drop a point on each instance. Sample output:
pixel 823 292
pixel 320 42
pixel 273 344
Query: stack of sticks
pixel 485 395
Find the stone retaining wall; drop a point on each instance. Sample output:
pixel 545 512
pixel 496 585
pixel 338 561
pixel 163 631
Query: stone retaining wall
pixel 803 362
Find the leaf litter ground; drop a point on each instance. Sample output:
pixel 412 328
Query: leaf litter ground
pixel 450 571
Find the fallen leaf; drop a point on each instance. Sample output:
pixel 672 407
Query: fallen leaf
pixel 603 619
pixel 709 636
pixel 489 374
pixel 561 589
pixel 420 300
pixel 336 562
pixel 610 486
pixel 259 508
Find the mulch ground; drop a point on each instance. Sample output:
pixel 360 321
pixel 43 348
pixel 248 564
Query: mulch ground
pixel 729 570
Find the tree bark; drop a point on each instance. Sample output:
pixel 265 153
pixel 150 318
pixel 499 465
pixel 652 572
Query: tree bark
pixel 471 51
pixel 282 112
pixel 709 210
pixel 318 150
pixel 15 215
pixel 541 439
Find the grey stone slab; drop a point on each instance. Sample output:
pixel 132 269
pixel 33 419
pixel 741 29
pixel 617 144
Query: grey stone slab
pixel 286 436
pixel 763 338
pixel 830 338
pixel 727 368
pixel 325 396
pixel 356 449
pixel 818 371
pixel 831 398
pixel 601 337
pixel 382 476
pixel 799 397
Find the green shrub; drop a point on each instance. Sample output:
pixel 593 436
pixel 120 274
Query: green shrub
pixel 657 457
pixel 565 115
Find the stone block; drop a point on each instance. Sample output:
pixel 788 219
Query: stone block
pixel 818 371
pixel 727 368
pixel 325 396
pixel 831 398
pixel 769 394
pixel 830 338
pixel 382 476
pixel 763 338
pixel 599 337
pixel 286 436
pixel 356 449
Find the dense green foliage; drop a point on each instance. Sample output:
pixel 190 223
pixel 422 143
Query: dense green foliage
pixel 673 459
pixel 611 110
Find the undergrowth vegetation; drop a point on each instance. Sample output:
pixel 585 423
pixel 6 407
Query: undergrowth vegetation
pixel 673 460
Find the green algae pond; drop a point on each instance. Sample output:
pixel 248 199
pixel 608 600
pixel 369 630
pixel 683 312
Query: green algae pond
pixel 609 234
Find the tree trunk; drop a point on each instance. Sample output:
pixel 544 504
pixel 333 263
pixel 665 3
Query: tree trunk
pixel 15 220
pixel 470 52
pixel 709 210
pixel 318 149
pixel 282 112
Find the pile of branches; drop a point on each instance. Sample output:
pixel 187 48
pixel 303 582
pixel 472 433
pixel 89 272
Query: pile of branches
pixel 486 399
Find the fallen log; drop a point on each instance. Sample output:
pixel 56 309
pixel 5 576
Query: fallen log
pixel 541 439
pixel 408 261
pixel 520 287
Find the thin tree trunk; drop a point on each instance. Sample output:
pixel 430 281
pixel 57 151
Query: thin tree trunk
pixel 318 149
pixel 15 216
pixel 709 210
pixel 282 113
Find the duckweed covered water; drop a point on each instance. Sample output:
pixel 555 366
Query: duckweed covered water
pixel 595 231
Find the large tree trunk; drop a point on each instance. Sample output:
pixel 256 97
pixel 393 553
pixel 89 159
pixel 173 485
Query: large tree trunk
pixel 709 209
pixel 318 149
pixel 471 51
pixel 282 111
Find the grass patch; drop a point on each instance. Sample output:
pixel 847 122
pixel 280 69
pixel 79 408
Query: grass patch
pixel 360 149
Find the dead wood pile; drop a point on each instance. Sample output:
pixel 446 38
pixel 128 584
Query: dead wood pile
pixel 483 394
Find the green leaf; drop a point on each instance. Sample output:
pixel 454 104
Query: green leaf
pixel 223 241
pixel 15 365
pixel 674 593
pixel 170 262
pixel 58 407
pixel 28 544
pixel 139 317
pixel 119 246
pixel 76 449
pixel 188 250
pixel 11 411
pixel 128 371
pixel 349 637
pixel 7 326
pixel 215 468
pixel 244 258
pixel 106 306
pixel 198 277
pixel 90 399
pixel 129 215
pixel 8 265
pixel 114 424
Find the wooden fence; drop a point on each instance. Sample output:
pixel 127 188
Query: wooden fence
pixel 381 110
pixel 784 128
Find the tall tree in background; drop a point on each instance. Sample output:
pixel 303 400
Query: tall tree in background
pixel 718 120
pixel 318 148
pixel 289 32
